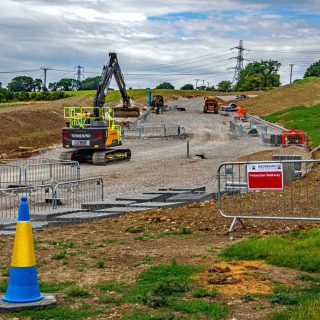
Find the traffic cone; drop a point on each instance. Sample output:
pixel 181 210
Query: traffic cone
pixel 23 284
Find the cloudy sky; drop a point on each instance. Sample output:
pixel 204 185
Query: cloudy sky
pixel 164 40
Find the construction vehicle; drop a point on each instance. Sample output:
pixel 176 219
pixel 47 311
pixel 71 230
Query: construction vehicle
pixel 91 131
pixel 113 69
pixel 210 105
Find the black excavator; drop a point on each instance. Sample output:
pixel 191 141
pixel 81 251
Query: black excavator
pixel 113 69
pixel 91 132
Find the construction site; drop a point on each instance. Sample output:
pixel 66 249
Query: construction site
pixel 152 203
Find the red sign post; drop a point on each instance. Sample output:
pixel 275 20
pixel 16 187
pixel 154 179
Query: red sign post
pixel 265 176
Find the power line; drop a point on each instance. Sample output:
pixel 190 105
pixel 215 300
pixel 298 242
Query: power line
pixel 20 71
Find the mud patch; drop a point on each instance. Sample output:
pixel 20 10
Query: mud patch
pixel 237 278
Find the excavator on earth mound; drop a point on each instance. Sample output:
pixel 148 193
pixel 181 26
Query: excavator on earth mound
pixel 91 132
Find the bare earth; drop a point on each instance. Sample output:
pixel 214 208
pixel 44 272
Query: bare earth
pixel 163 163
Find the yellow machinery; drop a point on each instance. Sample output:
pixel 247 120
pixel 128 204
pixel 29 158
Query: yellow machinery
pixel 89 136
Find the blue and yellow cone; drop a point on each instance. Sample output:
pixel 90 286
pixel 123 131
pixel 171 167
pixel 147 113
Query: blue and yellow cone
pixel 23 281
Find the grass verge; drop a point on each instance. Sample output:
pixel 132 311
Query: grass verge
pixel 300 249
pixel 300 117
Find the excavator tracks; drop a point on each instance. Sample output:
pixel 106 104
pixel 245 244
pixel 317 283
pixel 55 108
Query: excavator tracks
pixel 111 156
pixel 100 158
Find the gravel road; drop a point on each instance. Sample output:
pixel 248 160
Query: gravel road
pixel 163 163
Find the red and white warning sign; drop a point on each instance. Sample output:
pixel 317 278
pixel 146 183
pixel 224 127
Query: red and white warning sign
pixel 265 176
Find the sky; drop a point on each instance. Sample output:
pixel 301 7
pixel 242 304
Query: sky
pixel 156 41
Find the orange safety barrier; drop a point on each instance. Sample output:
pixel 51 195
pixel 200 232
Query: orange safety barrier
pixel 293 137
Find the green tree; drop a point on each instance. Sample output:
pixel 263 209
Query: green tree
pixel 68 84
pixel 165 85
pixel 268 69
pixel 224 85
pixel 313 70
pixel 21 83
pixel 90 83
pixel 253 82
pixel 187 86
pixel 53 86
pixel 37 84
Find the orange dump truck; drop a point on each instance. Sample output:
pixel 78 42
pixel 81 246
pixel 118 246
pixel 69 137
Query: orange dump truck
pixel 210 104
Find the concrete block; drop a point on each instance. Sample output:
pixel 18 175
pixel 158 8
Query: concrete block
pixel 94 206
pixel 192 197
pixel 143 198
pixel 159 205
pixel 35 225
pixel 7 222
pixel 185 189
pixel 80 217
pixel 124 210
pixel 52 214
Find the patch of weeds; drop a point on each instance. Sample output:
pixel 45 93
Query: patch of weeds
pixel 4 271
pixel 143 237
pixel 60 312
pixel 203 293
pixel 295 295
pixel 112 240
pixel 3 285
pixel 260 307
pixel 300 249
pixel 52 287
pixel 143 315
pixel 154 301
pixel 309 310
pixel 111 286
pixel 135 229
pixel 60 255
pixel 105 299
pixel 101 264
pixel 88 243
pixel 93 256
pixel 77 292
pixel 202 308
pixel 145 260
pixel 211 249
pixel 308 277
pixel 161 277
pixel 65 244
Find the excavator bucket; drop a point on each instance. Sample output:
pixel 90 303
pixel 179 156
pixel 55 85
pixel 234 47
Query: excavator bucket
pixel 120 112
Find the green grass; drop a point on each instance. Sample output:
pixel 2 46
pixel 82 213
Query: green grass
pixel 111 286
pixel 202 308
pixel 309 310
pixel 202 293
pixel 300 117
pixel 307 80
pixel 52 287
pixel 77 292
pixel 151 279
pixel 60 312
pixel 300 249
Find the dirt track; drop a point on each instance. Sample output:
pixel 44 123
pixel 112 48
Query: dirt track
pixel 162 162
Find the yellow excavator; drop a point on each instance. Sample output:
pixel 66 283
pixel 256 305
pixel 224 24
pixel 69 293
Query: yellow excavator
pixel 91 132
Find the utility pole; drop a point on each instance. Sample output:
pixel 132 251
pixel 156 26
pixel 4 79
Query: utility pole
pixel 203 83
pixel 197 83
pixel 45 69
pixel 79 73
pixel 208 83
pixel 240 59
pixel 291 67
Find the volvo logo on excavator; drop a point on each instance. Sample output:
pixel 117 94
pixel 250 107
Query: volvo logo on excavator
pixel 81 135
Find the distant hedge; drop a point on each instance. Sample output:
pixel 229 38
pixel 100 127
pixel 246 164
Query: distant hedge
pixel 6 96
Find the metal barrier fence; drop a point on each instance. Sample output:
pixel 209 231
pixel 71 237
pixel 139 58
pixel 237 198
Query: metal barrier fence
pixel 297 200
pixel 39 199
pixel 71 194
pixel 28 172
pixel 46 198
pixel 53 172
pixel 10 175
pixel 154 131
